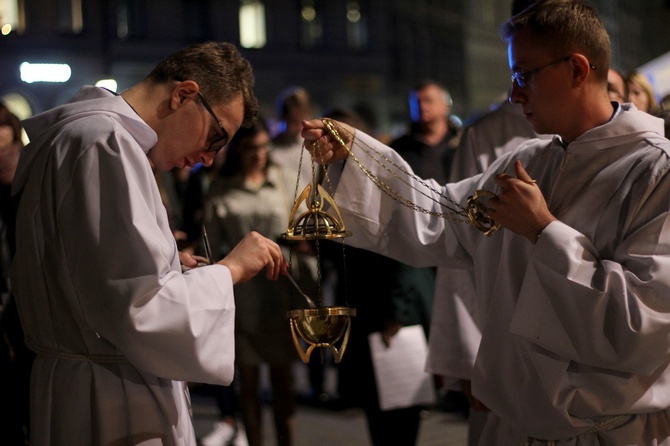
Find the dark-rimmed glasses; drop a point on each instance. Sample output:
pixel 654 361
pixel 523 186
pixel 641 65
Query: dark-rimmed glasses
pixel 220 140
pixel 521 77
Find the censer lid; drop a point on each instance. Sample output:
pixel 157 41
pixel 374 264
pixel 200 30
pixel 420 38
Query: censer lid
pixel 315 223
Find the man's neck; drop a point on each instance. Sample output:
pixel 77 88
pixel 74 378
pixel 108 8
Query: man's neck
pixel 254 177
pixel 144 99
pixel 432 133
pixel 592 114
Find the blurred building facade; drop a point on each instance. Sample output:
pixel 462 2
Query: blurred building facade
pixel 365 53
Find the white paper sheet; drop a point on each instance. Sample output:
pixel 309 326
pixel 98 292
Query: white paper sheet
pixel 399 369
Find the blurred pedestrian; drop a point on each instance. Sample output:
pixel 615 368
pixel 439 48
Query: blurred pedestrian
pixel 250 195
pixel 641 93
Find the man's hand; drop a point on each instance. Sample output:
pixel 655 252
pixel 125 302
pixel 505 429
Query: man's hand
pixel 391 328
pixel 253 254
pixel 520 206
pixel 321 143
pixel 189 260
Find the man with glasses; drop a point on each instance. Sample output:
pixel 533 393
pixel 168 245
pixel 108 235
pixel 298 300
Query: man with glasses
pixel 116 325
pixel 573 291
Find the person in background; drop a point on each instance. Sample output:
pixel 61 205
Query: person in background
pixel 617 87
pixel 226 430
pixel 641 93
pixel 488 137
pixel 293 106
pixel 429 147
pixel 15 358
pixel 572 291
pixel 387 295
pixel 249 195
pixel 434 134
pixel 117 326
pixel 665 113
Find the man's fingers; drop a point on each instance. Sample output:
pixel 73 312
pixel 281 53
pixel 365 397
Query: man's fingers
pixel 502 180
pixel 505 181
pixel 252 255
pixel 276 262
pixel 522 174
pixel 188 260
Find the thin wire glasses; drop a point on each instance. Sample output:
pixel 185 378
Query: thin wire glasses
pixel 521 77
pixel 220 140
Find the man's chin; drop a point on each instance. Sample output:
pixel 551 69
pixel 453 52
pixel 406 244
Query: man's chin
pixel 538 127
pixel 160 163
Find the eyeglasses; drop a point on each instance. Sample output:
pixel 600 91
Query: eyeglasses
pixel 521 77
pixel 220 140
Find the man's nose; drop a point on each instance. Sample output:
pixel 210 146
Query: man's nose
pixel 516 94
pixel 207 158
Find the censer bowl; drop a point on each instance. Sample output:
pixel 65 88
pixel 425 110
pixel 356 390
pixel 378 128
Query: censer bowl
pixel 322 327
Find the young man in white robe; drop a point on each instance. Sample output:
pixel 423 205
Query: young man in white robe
pixel 574 291
pixel 117 327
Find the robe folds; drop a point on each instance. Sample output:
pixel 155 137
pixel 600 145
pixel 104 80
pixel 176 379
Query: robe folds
pixel 117 327
pixel 575 328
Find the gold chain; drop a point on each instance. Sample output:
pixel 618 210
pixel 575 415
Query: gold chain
pixel 474 213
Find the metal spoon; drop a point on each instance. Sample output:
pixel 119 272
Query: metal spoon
pixel 310 302
pixel 210 260
pixel 208 249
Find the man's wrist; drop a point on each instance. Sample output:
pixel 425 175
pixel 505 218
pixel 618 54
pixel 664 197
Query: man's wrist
pixel 535 236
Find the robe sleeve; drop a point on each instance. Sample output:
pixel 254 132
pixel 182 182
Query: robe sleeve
pixel 609 313
pixel 122 263
pixel 398 231
pixel 455 333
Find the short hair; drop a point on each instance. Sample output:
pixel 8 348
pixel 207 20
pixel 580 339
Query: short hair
pixel 433 83
pixel 218 68
pixel 294 98
pixel 7 118
pixel 564 27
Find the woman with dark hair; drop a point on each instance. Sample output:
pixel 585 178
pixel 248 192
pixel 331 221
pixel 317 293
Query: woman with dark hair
pixel 250 194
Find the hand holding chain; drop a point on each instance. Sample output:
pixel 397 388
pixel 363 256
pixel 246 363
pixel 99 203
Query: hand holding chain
pixel 473 213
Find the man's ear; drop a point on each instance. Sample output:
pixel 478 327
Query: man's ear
pixel 581 67
pixel 183 92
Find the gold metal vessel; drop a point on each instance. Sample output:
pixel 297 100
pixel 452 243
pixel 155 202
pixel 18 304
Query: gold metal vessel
pixel 321 327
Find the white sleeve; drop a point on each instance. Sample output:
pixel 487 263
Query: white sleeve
pixel 389 226
pixel 122 263
pixel 605 313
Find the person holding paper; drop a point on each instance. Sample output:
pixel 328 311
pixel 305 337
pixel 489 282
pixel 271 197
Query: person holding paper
pixel 574 289
pixel 387 296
